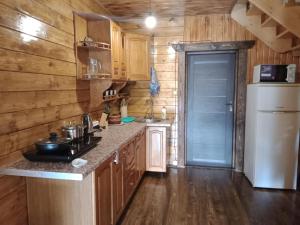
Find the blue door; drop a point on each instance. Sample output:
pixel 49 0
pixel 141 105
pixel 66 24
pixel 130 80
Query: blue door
pixel 210 108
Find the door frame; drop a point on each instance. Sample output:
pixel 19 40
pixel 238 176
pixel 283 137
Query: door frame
pixel 234 97
pixel 241 48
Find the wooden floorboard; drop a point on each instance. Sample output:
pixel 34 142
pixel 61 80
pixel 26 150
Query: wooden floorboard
pixel 199 196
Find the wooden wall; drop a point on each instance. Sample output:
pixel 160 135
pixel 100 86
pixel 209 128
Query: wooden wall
pixel 38 87
pixel 222 28
pixel 216 28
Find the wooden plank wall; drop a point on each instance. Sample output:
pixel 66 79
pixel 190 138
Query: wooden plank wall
pixel 223 28
pixel 217 27
pixel 38 87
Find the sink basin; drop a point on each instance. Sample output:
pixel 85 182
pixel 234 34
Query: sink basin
pixel 143 120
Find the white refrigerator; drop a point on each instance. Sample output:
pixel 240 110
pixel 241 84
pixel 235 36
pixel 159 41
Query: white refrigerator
pixel 272 135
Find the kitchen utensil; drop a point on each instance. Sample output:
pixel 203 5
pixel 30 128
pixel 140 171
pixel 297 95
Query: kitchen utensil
pixel 114 119
pixel 87 123
pixel 94 66
pixel 52 144
pixel 69 131
pixel 79 131
pixel 123 108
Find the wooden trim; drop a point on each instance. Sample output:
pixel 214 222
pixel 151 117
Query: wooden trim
pixel 212 46
pixel 240 94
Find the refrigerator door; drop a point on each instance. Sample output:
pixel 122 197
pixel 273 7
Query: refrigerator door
pixel 276 155
pixel 278 98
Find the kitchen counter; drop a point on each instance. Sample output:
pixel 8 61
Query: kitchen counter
pixel 112 140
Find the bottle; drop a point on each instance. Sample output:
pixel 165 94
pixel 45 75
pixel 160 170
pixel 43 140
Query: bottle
pixel 164 113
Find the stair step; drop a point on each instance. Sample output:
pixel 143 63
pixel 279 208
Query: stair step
pixel 252 10
pixel 267 21
pixel 266 34
pixel 285 34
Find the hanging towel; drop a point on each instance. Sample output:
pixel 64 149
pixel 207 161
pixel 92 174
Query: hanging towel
pixel 154 83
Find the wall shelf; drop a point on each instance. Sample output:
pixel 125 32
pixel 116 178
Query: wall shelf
pixel 93 46
pixel 98 76
pixel 114 98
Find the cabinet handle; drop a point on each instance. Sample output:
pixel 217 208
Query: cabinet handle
pixel 117 158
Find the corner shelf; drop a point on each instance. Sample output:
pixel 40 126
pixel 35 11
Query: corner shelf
pixel 114 98
pixel 98 76
pixel 93 45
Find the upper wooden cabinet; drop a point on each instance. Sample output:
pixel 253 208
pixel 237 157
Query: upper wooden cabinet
pixel 137 56
pixel 116 45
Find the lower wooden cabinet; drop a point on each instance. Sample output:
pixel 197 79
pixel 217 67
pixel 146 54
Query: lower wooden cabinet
pixel 156 149
pixel 117 178
pixel 103 189
pixel 141 154
pixel 97 200
pixel 117 186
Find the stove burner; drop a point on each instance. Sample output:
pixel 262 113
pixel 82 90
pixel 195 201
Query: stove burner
pixel 74 150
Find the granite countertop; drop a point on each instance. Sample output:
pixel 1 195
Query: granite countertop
pixel 112 140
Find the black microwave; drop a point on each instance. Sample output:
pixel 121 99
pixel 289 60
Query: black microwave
pixel 274 73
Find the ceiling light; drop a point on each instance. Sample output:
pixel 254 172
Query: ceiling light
pixel 150 22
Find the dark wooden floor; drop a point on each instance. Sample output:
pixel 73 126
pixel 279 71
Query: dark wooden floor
pixel 198 196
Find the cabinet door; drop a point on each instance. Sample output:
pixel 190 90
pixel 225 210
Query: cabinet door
pixel 117 186
pixel 123 70
pixel 156 149
pixel 115 50
pixel 130 178
pixel 143 152
pixel 103 193
pixel 137 56
pixel 138 155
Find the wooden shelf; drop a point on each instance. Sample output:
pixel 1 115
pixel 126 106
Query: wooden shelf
pixel 94 45
pixel 114 98
pixel 99 76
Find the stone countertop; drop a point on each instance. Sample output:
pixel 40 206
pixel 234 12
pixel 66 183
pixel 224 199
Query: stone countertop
pixel 112 140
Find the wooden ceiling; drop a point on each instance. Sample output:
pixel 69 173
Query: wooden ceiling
pixel 166 8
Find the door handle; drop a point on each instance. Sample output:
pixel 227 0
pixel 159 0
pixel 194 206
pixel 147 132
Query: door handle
pixel 230 106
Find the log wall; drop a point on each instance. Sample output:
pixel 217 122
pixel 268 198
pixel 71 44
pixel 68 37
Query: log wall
pixel 38 86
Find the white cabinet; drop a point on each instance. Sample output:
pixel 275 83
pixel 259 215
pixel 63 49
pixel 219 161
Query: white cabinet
pixel 156 149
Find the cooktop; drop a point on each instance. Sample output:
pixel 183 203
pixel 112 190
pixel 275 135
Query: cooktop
pixel 74 150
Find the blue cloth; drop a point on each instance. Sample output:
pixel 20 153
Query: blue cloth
pixel 128 119
pixel 154 83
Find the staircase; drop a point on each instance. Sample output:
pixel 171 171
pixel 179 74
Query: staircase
pixel 275 22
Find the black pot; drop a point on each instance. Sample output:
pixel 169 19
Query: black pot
pixel 52 144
